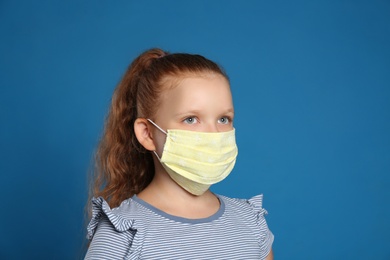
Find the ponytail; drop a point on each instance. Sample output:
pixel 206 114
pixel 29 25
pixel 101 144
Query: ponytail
pixel 123 166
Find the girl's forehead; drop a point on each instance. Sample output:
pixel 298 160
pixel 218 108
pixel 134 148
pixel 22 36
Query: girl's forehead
pixel 195 85
pixel 172 81
pixel 197 93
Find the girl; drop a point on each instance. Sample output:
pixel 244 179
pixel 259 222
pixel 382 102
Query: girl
pixel 168 137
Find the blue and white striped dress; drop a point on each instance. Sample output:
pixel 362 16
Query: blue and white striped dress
pixel 137 230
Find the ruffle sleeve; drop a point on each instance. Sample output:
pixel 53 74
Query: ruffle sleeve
pixel 100 207
pixel 123 228
pixel 264 235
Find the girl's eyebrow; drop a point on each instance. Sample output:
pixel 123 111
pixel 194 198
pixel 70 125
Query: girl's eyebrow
pixel 193 111
pixel 228 111
pixel 196 111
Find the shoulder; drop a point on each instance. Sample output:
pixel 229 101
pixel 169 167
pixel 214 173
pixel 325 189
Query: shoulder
pixel 254 204
pixel 252 212
pixel 119 218
pixel 249 210
pixel 113 232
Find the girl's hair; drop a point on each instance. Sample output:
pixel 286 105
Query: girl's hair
pixel 123 167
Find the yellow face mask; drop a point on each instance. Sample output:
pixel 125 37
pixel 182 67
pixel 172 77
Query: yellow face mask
pixel 196 160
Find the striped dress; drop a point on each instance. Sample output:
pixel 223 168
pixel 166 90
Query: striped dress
pixel 137 230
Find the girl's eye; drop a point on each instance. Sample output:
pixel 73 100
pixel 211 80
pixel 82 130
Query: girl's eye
pixel 190 120
pixel 224 120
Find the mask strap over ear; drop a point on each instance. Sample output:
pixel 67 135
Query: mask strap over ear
pixel 158 157
pixel 159 128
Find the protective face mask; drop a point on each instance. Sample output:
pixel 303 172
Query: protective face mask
pixel 196 160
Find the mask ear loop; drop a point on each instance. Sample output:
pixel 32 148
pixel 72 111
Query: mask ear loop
pixel 159 128
pixel 158 157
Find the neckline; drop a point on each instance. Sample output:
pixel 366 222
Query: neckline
pixel 161 213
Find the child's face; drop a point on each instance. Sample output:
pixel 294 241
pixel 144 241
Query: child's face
pixel 201 104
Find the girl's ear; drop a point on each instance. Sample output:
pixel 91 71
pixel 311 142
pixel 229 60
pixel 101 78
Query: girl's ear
pixel 144 134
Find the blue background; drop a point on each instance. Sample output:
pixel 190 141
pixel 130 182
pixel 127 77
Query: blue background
pixel 311 86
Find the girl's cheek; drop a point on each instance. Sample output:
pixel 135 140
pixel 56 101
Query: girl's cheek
pixel 159 143
pixel 225 128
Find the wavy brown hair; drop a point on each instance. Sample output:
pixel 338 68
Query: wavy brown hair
pixel 123 167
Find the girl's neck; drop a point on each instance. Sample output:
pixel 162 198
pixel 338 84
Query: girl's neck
pixel 166 195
